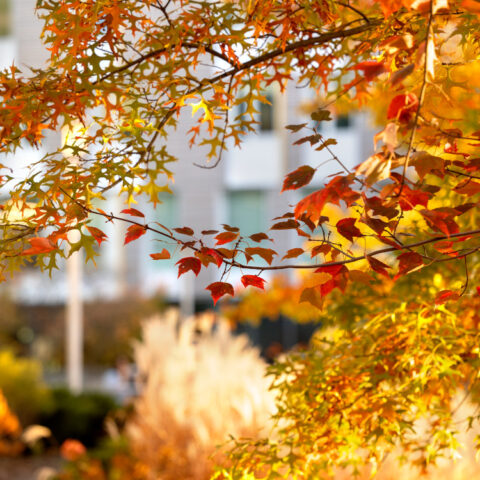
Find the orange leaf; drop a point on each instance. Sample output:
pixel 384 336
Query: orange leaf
pixel 371 69
pixel 184 231
pixel 189 263
pixel 39 245
pixel 219 289
pixel 253 280
pixel 134 232
pixel 97 234
pixel 266 253
pixel 134 212
pixel 293 253
pixel 226 237
pixel 163 255
pixel 445 295
pixel 402 107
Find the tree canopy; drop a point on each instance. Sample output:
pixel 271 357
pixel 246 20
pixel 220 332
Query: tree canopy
pixel 394 269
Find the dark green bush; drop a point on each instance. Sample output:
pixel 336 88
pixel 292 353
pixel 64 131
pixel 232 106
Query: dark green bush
pixel 79 416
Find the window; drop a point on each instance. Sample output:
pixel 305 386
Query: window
pixel 264 117
pixel 5 20
pixel 246 210
pixel 343 121
pixel 266 114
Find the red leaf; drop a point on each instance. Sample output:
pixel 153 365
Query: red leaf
pixel 285 225
pixel 184 231
pixel 163 255
pixel 253 280
pixel 134 212
pixel 444 295
pixel 39 245
pixel 189 263
pixel 97 234
pixel 378 266
pixel 469 188
pixel 333 270
pixel 346 227
pixel 298 178
pixel 408 261
pixel 226 237
pixel 134 232
pixel 219 289
pixel 216 257
pixel 402 107
pixel 371 69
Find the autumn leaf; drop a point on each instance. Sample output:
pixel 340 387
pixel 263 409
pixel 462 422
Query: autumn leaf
pixel 134 212
pixel 253 280
pixel 39 245
pixel 408 262
pixel 402 107
pixel 313 296
pixel 370 69
pixel 226 237
pixel 163 255
pixel 346 227
pixel 266 253
pixel 259 237
pixel 134 232
pixel 293 253
pixel 97 234
pixel 219 289
pixel 446 295
pixel 298 178
pixel 189 263
pixel 185 231
pixel 378 266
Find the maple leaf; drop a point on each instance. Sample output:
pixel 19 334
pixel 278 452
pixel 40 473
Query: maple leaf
pixel 346 227
pixel 163 255
pixel 377 266
pixel 226 237
pixel 293 253
pixel 134 232
pixel 371 69
pixel 408 262
pixel 446 295
pixel 219 289
pixel 402 107
pixel 253 280
pixel 266 253
pixel 189 263
pixel 134 212
pixel 97 234
pixel 298 178
pixel 185 231
pixel 39 245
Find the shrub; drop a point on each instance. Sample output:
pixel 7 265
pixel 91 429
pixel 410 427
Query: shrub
pixel 199 384
pixel 21 383
pixel 80 417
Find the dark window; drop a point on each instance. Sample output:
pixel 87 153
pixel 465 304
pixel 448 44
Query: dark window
pixel 343 121
pixel 266 114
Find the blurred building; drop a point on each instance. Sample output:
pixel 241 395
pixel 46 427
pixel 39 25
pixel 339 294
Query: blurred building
pixel 243 190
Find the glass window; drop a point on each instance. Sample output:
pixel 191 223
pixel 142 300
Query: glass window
pixel 266 114
pixel 343 121
pixel 5 20
pixel 247 211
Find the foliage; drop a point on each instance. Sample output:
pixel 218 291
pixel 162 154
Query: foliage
pixel 199 384
pixel 78 416
pixel 22 385
pixel 120 77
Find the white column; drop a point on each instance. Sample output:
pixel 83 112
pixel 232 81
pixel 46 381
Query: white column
pixel 74 321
